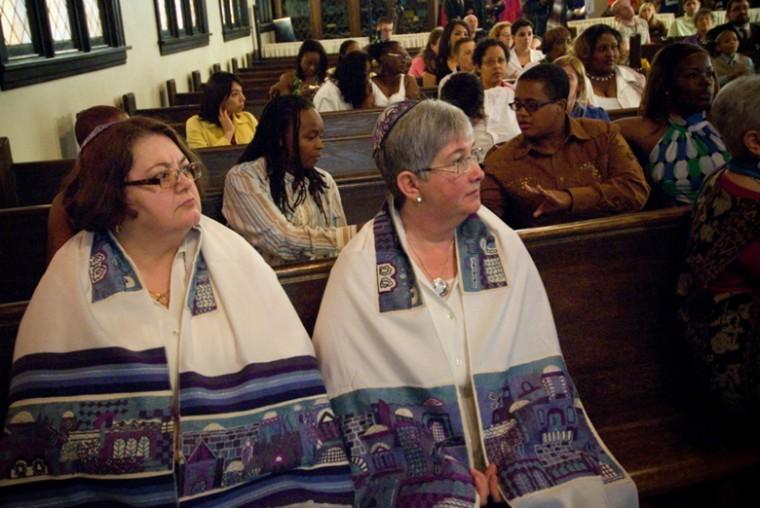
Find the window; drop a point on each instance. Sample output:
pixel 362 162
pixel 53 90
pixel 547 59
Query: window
pixel 182 25
pixel 235 20
pixel 41 40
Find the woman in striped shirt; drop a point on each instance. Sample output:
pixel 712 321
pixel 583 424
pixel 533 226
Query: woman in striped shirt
pixel 275 197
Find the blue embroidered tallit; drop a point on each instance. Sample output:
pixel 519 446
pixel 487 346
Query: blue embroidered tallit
pixel 690 150
pixel 390 381
pixel 93 419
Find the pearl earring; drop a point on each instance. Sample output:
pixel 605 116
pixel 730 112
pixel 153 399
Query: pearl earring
pixel 418 200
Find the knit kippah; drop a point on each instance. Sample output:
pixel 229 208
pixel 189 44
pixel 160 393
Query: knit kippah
pixel 387 120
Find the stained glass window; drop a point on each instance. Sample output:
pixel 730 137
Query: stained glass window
pixel 94 25
pixel 15 23
pixel 60 25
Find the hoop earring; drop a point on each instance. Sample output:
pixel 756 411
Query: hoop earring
pixel 418 200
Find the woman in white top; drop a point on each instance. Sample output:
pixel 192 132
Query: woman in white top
pixel 275 197
pixel 522 55
pixel 491 59
pixel 350 87
pixel 392 82
pixel 614 86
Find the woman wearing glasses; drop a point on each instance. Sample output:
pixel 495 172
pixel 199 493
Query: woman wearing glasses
pixel 560 168
pixel 432 324
pixel 142 346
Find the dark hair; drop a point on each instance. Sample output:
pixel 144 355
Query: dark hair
pixel 657 96
pixel 215 91
pixel 465 91
pixel 552 36
pixel 552 77
pixel 343 49
pixel 428 55
pixel 461 41
pixel 586 41
pixel 93 194
pixel 703 13
pixel 376 50
pixel 352 75
pixel 384 20
pixel 282 117
pixel 312 46
pixel 520 23
pixel 482 47
pixel 444 50
pixel 728 5
pixel 89 118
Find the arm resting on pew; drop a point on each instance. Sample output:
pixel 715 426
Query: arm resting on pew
pixel 623 188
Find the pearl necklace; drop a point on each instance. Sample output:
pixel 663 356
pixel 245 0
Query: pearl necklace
pixel 601 79
pixel 440 286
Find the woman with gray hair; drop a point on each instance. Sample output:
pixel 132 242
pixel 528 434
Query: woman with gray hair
pixel 432 325
pixel 720 286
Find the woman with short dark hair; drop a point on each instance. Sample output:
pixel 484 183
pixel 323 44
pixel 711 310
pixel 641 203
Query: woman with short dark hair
pixel 222 119
pixel 614 86
pixel 149 337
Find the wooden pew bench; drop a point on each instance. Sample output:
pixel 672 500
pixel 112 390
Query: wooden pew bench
pixel 610 283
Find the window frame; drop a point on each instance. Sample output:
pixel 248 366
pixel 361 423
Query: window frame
pixel 176 39
pixel 239 29
pixel 46 63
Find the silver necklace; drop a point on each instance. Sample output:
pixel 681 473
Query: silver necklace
pixel 440 286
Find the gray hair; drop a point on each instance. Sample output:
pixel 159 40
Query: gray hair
pixel 735 111
pixel 417 137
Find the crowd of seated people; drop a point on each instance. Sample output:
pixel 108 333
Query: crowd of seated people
pixel 519 138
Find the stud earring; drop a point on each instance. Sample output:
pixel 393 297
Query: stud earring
pixel 418 200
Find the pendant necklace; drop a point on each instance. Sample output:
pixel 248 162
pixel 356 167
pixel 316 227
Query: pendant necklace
pixel 440 286
pixel 162 298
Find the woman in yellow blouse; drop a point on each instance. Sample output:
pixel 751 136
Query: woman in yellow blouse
pixel 222 120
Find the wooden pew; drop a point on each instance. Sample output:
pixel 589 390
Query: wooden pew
pixel 610 283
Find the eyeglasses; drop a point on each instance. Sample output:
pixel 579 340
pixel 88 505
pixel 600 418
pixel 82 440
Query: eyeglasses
pixel 168 179
pixel 530 106
pixel 461 166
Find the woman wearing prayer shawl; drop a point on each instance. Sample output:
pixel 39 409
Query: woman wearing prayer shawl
pixel 146 371
pixel 438 344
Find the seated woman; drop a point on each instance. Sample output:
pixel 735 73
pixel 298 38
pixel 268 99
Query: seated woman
pixel 502 31
pixel 465 91
pixel 559 169
pixel 433 323
pixel 447 62
pixel 275 196
pixel 92 119
pixel 424 62
pixel 392 83
pixel 657 30
pixel 719 289
pixel 614 86
pixel 346 47
pixel 350 87
pixel 149 337
pixel 672 138
pixel 309 74
pixel 491 58
pixel 522 55
pixel 222 120
pixel 578 102
pixel 556 43
pixel 704 22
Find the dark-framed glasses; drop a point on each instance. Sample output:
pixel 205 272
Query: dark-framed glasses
pixel 530 105
pixel 168 178
pixel 461 166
